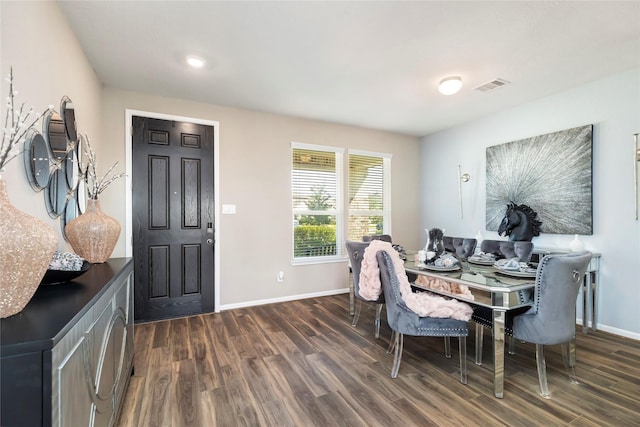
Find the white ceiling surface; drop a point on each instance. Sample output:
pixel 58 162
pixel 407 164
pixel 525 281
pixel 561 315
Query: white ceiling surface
pixel 371 64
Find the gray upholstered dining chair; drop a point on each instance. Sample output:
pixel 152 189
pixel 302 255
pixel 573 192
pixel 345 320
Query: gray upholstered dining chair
pixel 356 253
pixel 403 321
pixel 481 315
pixel 508 249
pixel 383 237
pixel 552 318
pixel 463 247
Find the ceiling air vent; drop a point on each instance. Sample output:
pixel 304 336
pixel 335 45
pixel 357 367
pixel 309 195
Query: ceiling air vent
pixel 493 84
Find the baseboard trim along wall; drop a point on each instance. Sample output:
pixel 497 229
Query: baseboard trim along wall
pixel 605 328
pixel 283 299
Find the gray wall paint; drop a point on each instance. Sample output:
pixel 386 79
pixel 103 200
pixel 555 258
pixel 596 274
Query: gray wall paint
pixel 612 105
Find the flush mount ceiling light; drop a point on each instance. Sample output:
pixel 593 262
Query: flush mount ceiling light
pixel 195 61
pixel 450 85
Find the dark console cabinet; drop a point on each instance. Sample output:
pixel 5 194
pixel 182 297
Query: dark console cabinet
pixel 66 359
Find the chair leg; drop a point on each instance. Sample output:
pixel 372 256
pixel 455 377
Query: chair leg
pixel 378 311
pixel 392 342
pixel 447 347
pixel 462 349
pixel 569 356
pixel 357 313
pixel 479 337
pixel 512 345
pixel 398 355
pixel 542 372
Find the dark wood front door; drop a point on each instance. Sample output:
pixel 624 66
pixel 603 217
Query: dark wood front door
pixel 173 213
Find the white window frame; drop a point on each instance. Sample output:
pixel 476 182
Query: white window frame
pixel 338 212
pixel 386 191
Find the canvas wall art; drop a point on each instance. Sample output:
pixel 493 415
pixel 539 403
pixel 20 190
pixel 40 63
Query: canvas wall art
pixel 550 173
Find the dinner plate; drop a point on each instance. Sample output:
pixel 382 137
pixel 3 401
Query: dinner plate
pixel 436 268
pixel 479 261
pixel 513 273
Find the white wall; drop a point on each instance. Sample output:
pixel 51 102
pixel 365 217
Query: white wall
pixel 612 105
pixel 254 158
pixel 48 63
pixel 255 174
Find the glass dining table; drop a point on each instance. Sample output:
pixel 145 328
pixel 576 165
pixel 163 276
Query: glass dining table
pixel 499 291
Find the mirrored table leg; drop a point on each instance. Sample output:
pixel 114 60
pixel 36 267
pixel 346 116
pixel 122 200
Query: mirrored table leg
pixel 498 352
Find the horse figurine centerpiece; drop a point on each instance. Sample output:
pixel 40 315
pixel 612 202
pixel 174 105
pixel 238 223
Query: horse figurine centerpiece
pixel 519 223
pixel 435 241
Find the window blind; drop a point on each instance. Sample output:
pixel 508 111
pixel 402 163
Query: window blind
pixel 316 184
pixel 369 194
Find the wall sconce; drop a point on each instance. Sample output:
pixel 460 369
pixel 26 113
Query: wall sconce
pixel 636 159
pixel 462 177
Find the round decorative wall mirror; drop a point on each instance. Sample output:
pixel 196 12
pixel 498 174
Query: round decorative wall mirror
pixel 69 118
pixel 70 211
pixel 52 163
pixel 56 134
pixel 56 194
pixel 36 160
pixel 71 165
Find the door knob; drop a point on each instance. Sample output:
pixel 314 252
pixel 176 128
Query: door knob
pixel 209 242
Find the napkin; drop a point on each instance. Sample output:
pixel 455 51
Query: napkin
pixel 510 264
pixel 445 260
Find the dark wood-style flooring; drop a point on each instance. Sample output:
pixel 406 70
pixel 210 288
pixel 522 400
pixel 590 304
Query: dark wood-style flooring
pixel 301 363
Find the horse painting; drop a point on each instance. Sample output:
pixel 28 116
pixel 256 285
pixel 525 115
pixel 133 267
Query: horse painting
pixel 519 223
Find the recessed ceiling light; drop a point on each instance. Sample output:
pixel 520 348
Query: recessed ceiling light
pixel 450 85
pixel 195 61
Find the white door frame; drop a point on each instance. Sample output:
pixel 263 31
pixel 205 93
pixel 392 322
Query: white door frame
pixel 128 228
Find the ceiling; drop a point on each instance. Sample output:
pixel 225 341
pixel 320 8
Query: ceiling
pixel 370 64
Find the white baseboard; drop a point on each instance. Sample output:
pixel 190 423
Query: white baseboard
pixel 283 299
pixel 605 328
pixel 616 331
pixel 621 332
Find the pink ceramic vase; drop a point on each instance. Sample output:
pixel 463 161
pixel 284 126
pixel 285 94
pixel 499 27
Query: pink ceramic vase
pixel 26 247
pixel 94 234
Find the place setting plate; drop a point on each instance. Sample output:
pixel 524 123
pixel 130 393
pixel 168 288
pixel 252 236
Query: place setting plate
pixel 517 273
pixel 480 261
pixel 437 268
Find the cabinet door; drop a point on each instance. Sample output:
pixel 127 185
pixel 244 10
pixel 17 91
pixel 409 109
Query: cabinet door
pixel 92 362
pixel 104 339
pixel 113 346
pixel 124 301
pixel 74 400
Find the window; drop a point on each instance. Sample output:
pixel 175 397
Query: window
pixel 316 182
pixel 369 194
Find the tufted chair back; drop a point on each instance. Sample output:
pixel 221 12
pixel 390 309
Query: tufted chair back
pixel 403 320
pixel 551 319
pixel 356 253
pixel 508 249
pixel 383 237
pixel 461 246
